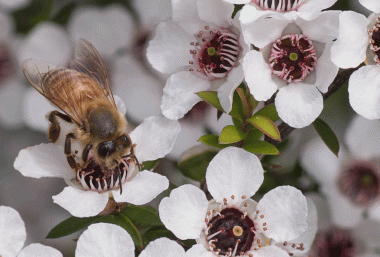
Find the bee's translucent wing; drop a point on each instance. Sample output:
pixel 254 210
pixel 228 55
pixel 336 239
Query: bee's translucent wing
pixel 68 89
pixel 88 61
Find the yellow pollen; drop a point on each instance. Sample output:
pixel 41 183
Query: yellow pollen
pixel 211 51
pixel 237 230
pixel 293 56
pixel 366 180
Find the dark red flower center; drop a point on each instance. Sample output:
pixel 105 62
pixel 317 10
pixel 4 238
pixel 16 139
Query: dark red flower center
pixel 279 5
pixel 292 57
pixel 334 243
pixel 231 232
pixel 374 34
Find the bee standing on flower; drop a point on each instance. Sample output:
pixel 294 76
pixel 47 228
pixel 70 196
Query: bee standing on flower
pixel 83 93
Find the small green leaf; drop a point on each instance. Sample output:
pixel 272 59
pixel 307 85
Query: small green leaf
pixel 156 232
pixel 231 134
pixel 237 110
pixel 142 217
pixel 149 165
pixel 212 140
pixel 269 111
pixel 195 167
pixel 253 135
pixel 246 107
pixel 266 125
pixel 124 222
pixel 327 134
pixel 211 97
pixel 261 147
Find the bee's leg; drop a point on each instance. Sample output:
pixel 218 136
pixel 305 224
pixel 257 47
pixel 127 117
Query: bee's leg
pixel 132 154
pixel 70 157
pixel 54 129
pixel 86 152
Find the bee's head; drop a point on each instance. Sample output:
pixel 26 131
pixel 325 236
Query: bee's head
pixel 110 152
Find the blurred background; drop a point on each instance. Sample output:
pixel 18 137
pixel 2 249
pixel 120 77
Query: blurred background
pixel 120 30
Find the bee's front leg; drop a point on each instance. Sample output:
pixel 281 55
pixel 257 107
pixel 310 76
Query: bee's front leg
pixel 55 129
pixel 85 153
pixel 69 155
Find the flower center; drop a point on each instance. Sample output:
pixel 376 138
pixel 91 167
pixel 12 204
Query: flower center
pixel 93 177
pixel 5 62
pixel 230 232
pixel 292 57
pixel 279 5
pixel 215 54
pixel 335 242
pixel 360 183
pixel 196 113
pixel 374 40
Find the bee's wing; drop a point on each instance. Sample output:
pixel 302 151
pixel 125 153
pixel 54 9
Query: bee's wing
pixel 65 88
pixel 88 61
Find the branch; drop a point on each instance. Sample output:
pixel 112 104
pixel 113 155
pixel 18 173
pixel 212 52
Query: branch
pixel 339 81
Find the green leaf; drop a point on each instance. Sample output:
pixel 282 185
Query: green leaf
pixel 149 165
pixel 253 135
pixel 261 147
pixel 237 122
pixel 212 140
pixel 231 134
pixel 64 13
pixel 142 217
pixel 266 125
pixel 327 134
pixel 124 222
pixel 211 97
pixel 245 106
pixel 269 111
pixel 195 167
pixel 237 110
pixel 156 232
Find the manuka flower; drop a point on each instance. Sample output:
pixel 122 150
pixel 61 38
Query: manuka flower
pixel 103 239
pixel 200 47
pixel 351 183
pixel 359 41
pixel 232 224
pixel 89 190
pixel 13 236
pixel 296 61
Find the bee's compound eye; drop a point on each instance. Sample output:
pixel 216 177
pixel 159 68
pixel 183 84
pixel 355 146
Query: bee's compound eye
pixel 125 141
pixel 106 148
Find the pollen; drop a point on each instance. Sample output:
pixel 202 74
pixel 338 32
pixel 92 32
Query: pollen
pixel 237 230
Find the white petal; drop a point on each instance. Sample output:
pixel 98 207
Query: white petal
pixel 371 5
pixel 215 11
pixel 364 91
pixel 142 189
pixel 313 8
pixel 169 50
pixel 48 42
pixel 13 4
pixel 12 231
pixel 234 171
pixel 10 105
pixel 179 94
pixel 150 12
pixel 120 104
pixel 343 212
pixel 103 239
pixel 184 211
pixel 43 160
pixel 154 138
pixel 7 25
pixel 238 1
pixel 349 50
pixel 285 213
pixel 367 232
pixel 198 250
pixel 308 236
pixel 362 137
pixel 137 88
pixel 299 104
pixel 227 89
pixel 322 29
pixel 107 29
pixel 270 251
pixel 258 76
pixel 163 247
pixel 319 161
pixel 81 203
pixel 326 70
pixel 263 31
pixel 184 9
pixel 40 251
pixel 374 212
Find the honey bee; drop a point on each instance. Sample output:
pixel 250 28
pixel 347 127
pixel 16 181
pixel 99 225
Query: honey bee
pixel 82 92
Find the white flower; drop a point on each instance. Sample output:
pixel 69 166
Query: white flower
pixel 258 10
pixel 233 224
pixel 351 183
pixel 103 239
pixel 358 41
pixel 84 197
pixel 294 59
pixel 13 236
pixel 200 47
